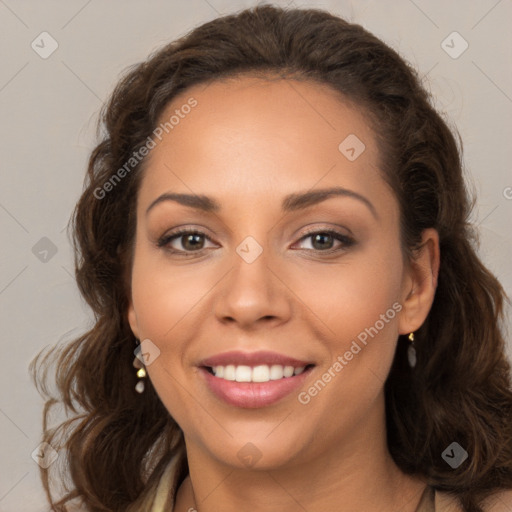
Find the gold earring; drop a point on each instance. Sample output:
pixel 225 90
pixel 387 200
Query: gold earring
pixel 411 351
pixel 141 372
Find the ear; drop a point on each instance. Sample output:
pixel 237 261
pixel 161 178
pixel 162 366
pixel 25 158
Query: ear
pixel 132 320
pixel 420 283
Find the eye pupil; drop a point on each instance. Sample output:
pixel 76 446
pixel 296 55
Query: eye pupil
pixel 189 238
pixel 321 237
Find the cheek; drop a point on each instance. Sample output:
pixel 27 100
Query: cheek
pixel 357 302
pixel 164 302
pixel 163 296
pixel 350 296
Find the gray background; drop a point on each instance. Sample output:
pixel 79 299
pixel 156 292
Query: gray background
pixel 49 108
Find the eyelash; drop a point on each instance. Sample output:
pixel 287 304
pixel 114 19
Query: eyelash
pixel 166 239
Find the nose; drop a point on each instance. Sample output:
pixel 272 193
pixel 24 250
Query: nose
pixel 254 293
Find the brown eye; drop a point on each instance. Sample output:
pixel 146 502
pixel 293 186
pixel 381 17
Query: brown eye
pixel 322 241
pixel 192 242
pixel 187 241
pixel 184 241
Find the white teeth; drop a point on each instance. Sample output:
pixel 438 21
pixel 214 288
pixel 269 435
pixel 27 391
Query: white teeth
pixel 243 374
pixel 261 373
pixel 299 370
pixel 276 372
pixel 229 372
pixel 288 371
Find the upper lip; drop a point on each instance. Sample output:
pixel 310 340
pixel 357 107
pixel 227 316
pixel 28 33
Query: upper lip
pixel 237 357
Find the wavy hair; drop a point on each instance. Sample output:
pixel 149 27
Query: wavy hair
pixel 117 442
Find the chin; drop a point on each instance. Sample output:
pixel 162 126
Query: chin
pixel 258 453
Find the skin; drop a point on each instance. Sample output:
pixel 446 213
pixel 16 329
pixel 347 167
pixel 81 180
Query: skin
pixel 248 143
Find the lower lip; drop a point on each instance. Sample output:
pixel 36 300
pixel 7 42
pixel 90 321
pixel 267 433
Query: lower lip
pixel 251 395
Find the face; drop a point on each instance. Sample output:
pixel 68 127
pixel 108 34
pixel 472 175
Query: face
pixel 271 273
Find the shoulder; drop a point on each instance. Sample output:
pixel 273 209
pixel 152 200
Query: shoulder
pixel 500 501
pixel 167 487
pixel 445 502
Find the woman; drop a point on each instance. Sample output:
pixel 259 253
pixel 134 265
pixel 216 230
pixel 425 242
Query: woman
pixel 235 363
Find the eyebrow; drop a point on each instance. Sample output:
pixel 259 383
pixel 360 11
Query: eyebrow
pixel 291 202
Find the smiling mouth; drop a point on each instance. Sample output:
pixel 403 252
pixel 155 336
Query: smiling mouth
pixel 255 374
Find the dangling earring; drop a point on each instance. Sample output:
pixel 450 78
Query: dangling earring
pixel 141 372
pixel 411 351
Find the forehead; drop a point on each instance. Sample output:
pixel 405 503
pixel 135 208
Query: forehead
pixel 258 136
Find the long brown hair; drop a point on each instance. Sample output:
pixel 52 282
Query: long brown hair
pixel 117 443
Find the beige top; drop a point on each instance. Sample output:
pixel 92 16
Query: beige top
pixel 431 500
